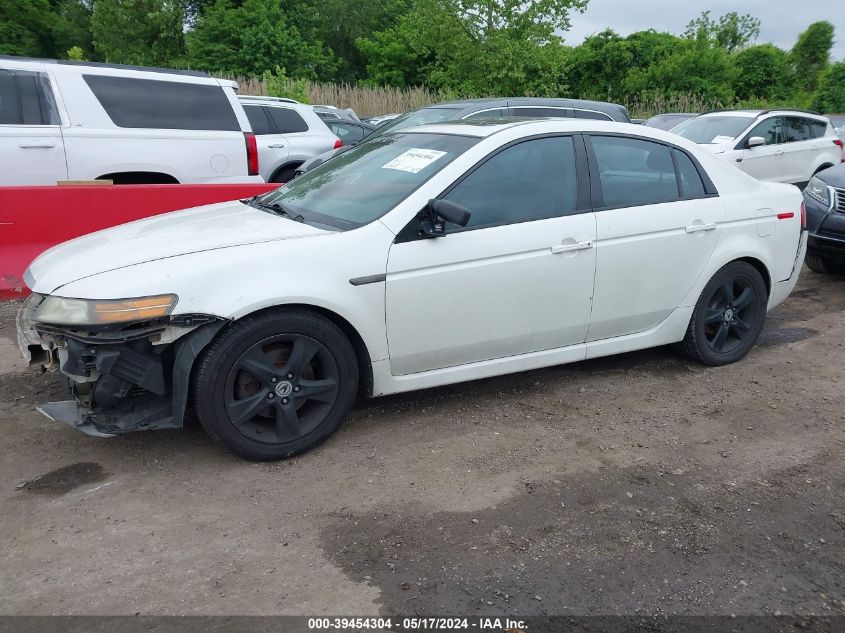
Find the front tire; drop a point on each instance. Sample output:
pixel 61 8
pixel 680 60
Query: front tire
pixel 728 317
pixel 275 384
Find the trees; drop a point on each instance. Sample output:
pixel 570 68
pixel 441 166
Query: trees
pixel 145 32
pixel 25 27
pixel 474 46
pixel 732 32
pixel 830 96
pixel 254 37
pixel 811 54
pixel 763 72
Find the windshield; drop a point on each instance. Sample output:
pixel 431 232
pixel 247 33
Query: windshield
pixel 410 119
pixel 666 121
pixel 364 183
pixel 713 129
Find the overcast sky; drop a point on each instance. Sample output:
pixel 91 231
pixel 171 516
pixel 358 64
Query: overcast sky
pixel 781 20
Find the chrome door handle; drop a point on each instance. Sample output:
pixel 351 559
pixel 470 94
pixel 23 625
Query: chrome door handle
pixel 276 146
pixel 568 248
pixel 36 146
pixel 695 228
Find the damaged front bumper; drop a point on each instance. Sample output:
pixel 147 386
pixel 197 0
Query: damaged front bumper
pixel 122 378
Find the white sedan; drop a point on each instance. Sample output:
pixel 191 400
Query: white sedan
pixel 426 257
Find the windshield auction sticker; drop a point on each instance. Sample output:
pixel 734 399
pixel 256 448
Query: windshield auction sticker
pixel 414 160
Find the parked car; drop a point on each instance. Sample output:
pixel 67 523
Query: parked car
pixel 779 145
pixel 380 120
pixel 287 133
pixel 669 120
pixel 350 132
pixel 492 108
pixel 824 198
pixel 331 113
pixel 838 122
pixel 64 120
pixel 429 256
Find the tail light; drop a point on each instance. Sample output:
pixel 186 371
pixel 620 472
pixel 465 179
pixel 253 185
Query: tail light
pixel 841 145
pixel 804 216
pixel 251 154
pixel 338 144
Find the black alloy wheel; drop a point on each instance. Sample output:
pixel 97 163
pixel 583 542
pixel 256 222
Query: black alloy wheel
pixel 728 317
pixel 275 384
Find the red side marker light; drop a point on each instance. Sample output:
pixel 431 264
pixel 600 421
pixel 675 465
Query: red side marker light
pixel 338 144
pixel 786 216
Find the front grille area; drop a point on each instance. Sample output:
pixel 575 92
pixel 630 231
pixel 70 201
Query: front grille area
pixel 839 201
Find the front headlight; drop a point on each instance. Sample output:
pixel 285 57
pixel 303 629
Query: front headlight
pixel 63 311
pixel 818 190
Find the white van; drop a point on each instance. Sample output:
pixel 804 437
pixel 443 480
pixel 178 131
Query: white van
pixel 65 120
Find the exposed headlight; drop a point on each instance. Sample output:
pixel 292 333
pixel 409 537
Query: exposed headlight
pixel 818 190
pixel 63 311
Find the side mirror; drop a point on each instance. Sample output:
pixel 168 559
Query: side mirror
pixel 755 141
pixel 438 212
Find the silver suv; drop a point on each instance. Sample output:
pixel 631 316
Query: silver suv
pixel 288 134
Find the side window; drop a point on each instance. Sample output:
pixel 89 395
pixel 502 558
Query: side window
pixel 691 185
pixel 346 133
pixel 497 113
pixel 258 120
pixel 634 172
pixel 797 129
pixel 770 129
pixel 533 180
pixel 817 128
pixel 588 114
pixel 287 121
pixel 164 105
pixel 26 99
pixel 541 112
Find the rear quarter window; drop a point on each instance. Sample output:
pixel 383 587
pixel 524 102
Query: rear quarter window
pixel 287 120
pixel 169 105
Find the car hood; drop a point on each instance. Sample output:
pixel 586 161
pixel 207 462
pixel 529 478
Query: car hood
pixel 717 148
pixel 194 230
pixel 834 176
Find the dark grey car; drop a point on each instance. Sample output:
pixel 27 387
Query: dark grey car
pixel 533 107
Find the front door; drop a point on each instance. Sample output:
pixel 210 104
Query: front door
pixel 764 162
pixel 517 279
pixel 657 226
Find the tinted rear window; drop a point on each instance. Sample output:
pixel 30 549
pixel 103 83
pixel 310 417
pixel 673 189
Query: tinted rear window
pixel 589 114
pixel 817 128
pixel 258 120
pixel 26 99
pixel 168 105
pixel 287 121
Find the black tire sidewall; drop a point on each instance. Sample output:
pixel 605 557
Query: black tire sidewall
pixel 702 348
pixel 215 364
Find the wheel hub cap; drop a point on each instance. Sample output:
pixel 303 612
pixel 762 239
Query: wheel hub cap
pixel 729 315
pixel 284 389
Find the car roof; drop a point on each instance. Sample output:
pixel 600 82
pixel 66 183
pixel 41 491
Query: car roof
pixel 73 62
pixel 482 128
pixel 753 114
pixel 470 105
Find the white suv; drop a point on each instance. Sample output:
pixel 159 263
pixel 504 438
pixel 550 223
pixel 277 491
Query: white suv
pixel 780 145
pixel 62 120
pixel 288 134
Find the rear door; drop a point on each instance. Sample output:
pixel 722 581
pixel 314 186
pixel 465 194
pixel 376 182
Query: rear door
pixel 31 146
pixel 657 222
pixel 799 149
pixel 272 147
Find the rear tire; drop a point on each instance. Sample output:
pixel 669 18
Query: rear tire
pixel 728 317
pixel 275 384
pixel 284 175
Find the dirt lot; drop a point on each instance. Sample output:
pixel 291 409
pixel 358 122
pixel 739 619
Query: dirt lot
pixel 634 484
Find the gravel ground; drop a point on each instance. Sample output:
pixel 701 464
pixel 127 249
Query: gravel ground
pixel 636 484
